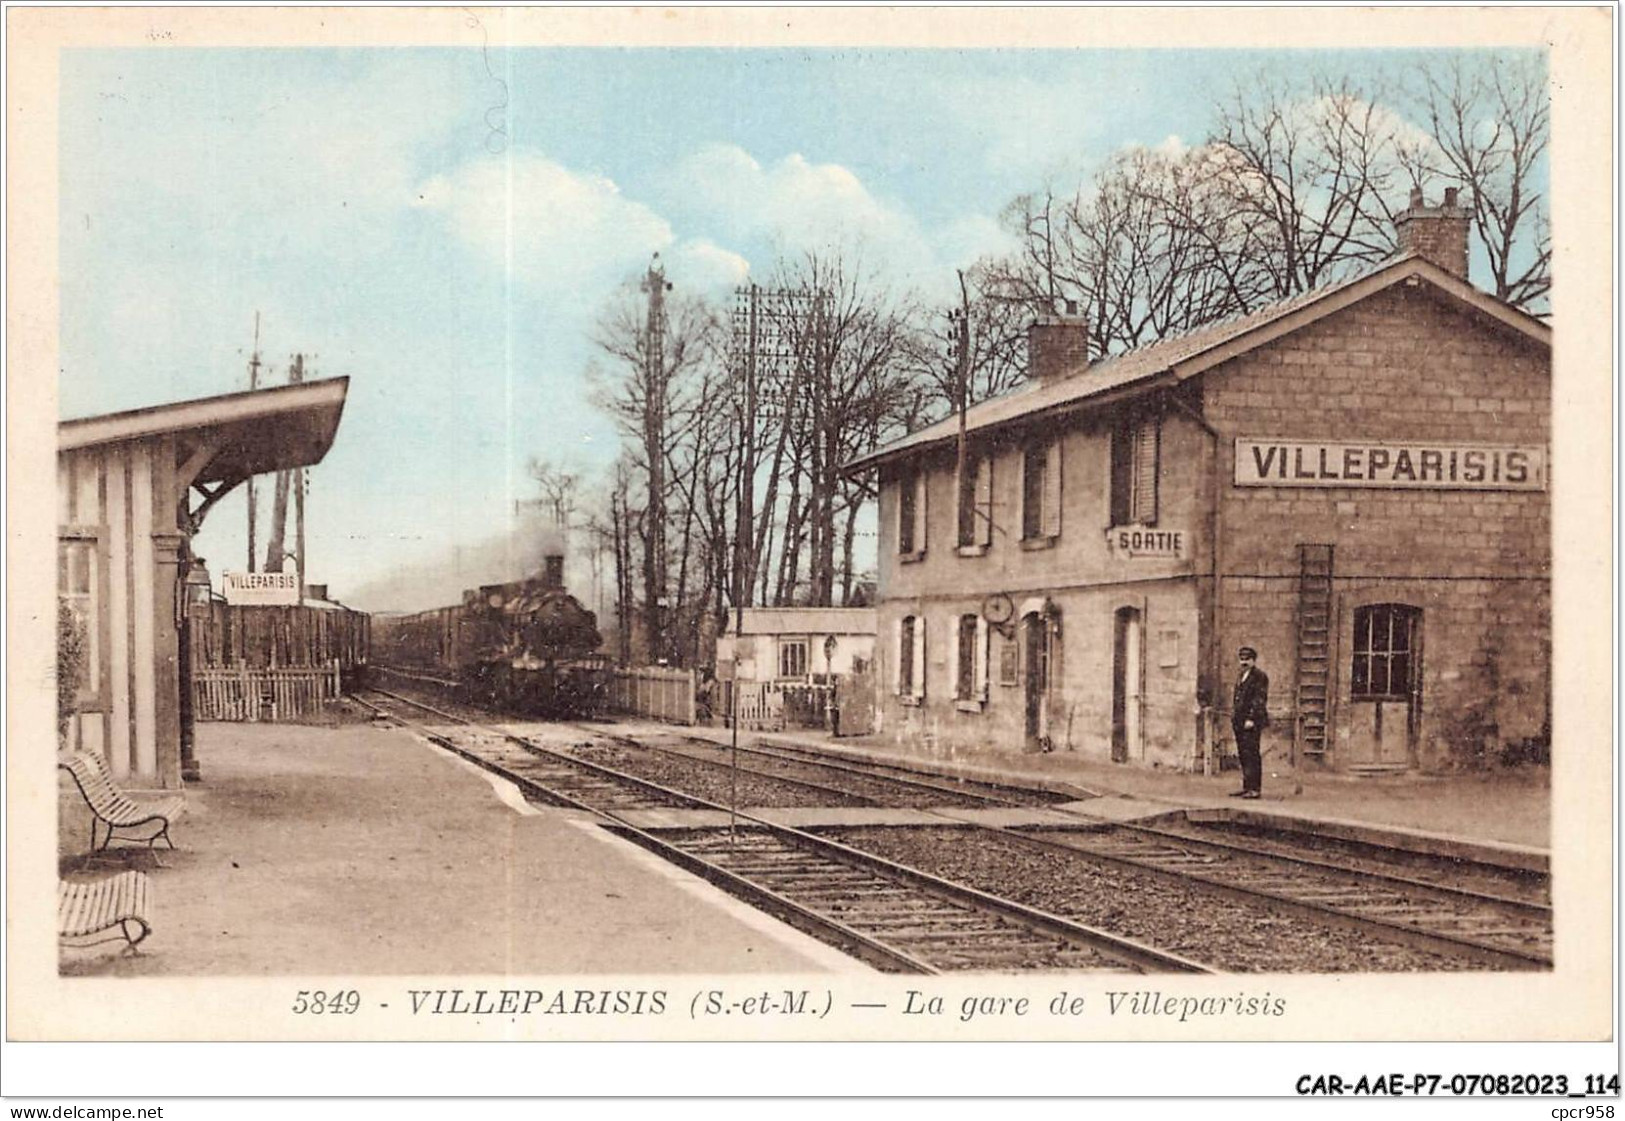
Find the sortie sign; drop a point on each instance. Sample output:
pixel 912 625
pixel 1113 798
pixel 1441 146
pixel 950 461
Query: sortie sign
pixel 1137 542
pixel 261 589
pixel 1274 462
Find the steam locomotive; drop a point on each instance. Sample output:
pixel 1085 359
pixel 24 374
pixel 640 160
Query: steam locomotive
pixel 526 646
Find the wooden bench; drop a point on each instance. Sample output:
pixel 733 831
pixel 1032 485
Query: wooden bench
pixel 116 809
pixel 90 912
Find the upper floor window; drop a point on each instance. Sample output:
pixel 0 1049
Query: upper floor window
pixel 1135 451
pixel 1385 651
pixel 792 657
pixel 1041 490
pixel 909 649
pixel 976 502
pixel 911 512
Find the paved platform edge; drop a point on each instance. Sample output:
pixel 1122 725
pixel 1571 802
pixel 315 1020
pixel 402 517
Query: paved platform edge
pixel 1522 857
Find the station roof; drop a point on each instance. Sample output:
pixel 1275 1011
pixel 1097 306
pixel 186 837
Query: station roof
pixel 1169 361
pixel 230 437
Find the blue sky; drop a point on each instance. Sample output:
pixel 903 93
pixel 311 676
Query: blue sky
pixel 443 226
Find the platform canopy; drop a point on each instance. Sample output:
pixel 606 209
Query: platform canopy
pixel 222 441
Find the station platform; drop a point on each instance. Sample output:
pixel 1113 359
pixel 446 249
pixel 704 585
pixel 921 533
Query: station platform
pixel 1503 816
pixel 360 850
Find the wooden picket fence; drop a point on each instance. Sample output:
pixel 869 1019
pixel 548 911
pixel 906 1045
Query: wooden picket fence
pixel 656 692
pixel 255 694
pixel 761 706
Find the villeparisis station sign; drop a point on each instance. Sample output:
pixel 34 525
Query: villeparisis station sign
pixel 261 589
pixel 1300 463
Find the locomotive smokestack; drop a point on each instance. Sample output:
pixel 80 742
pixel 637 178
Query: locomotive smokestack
pixel 553 570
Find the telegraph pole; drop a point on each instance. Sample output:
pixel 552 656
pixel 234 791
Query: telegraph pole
pixel 742 549
pixel 959 332
pixel 276 550
pixel 253 384
pixel 655 286
pixel 296 376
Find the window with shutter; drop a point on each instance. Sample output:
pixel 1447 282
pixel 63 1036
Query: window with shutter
pixel 908 512
pixel 976 502
pixel 919 657
pixel 1122 474
pixel 1052 490
pixel 980 678
pixel 967 504
pixel 1147 443
pixel 965 660
pixel 1033 472
pixel 921 521
pixel 905 655
pixel 984 500
pixel 1135 451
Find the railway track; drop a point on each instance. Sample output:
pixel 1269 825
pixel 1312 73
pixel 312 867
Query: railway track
pixel 544 775
pixel 896 918
pixel 1491 931
pixel 849 783
pixel 1452 875
pixel 959 791
pixel 1460 925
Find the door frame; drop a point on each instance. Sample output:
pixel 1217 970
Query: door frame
pixel 1035 668
pixel 1360 710
pixel 1126 747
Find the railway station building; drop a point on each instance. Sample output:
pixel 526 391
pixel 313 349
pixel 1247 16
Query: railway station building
pixel 1353 481
pixel 132 489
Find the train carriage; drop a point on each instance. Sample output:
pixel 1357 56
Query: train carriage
pixel 526 645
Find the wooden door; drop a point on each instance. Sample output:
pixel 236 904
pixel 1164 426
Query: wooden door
pixel 1035 643
pixel 1385 686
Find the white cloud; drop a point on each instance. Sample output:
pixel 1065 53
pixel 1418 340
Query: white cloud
pixel 556 229
pixel 701 265
pixel 1173 147
pixel 800 204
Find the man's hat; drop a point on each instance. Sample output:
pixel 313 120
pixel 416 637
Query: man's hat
pixel 1247 652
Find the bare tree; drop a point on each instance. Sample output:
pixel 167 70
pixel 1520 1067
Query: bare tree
pixel 852 385
pixel 1308 168
pixel 558 486
pixel 658 346
pixel 1295 187
pixel 996 313
pixel 1489 120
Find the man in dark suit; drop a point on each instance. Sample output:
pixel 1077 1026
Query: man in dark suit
pixel 1249 716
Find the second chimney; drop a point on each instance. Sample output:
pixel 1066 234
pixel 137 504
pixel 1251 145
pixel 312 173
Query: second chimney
pixel 1437 233
pixel 1057 345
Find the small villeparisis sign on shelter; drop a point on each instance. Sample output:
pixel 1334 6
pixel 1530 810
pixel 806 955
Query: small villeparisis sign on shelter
pixel 262 589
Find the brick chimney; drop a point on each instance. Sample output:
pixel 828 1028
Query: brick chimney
pixel 1057 345
pixel 1436 233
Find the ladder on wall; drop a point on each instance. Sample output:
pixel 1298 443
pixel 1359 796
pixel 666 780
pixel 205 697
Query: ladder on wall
pixel 1314 644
